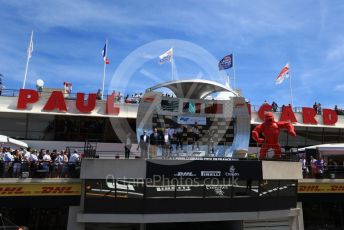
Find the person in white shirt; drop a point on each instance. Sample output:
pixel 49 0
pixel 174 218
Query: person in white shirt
pixel 46 161
pixel 59 163
pixel 26 155
pixel 8 156
pixel 73 160
pixel 33 157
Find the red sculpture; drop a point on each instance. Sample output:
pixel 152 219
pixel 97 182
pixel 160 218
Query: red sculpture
pixel 270 130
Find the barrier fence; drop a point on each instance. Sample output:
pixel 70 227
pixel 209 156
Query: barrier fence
pixel 39 169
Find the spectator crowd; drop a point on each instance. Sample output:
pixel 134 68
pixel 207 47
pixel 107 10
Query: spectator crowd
pixel 43 163
pixel 338 110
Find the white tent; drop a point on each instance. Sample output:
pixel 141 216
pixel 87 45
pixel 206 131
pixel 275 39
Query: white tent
pixel 5 140
pixel 327 149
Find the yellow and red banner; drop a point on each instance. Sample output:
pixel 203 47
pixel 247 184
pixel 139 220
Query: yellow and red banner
pixel 41 189
pixel 320 187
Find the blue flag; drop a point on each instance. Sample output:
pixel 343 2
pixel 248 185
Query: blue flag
pixel 226 62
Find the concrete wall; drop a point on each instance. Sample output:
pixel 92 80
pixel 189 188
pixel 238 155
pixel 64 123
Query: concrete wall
pixel 72 217
pixel 281 170
pixel 185 217
pixel 116 168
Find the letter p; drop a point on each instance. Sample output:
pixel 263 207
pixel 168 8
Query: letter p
pixel 26 96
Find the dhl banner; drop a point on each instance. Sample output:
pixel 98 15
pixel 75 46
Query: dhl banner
pixel 49 189
pixel 320 187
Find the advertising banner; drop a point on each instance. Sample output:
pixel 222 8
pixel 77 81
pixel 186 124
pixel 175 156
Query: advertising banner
pixel 189 120
pixel 248 170
pixel 41 189
pixel 320 187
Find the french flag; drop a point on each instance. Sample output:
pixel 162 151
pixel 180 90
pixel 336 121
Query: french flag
pixel 104 52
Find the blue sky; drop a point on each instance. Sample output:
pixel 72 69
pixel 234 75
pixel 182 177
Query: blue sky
pixel 264 36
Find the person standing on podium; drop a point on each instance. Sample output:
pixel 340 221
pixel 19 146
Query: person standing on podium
pixel 143 144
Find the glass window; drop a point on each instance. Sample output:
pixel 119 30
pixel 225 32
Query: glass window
pixel 214 108
pixel 191 107
pixel 170 105
pixel 341 136
pixel 13 125
pixel 300 139
pixel 41 127
pixel 314 136
pixel 283 138
pixel 331 135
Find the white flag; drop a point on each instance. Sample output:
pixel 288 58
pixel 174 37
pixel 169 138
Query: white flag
pixel 283 74
pixel 167 56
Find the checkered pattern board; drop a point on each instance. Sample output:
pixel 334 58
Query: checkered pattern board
pixel 221 128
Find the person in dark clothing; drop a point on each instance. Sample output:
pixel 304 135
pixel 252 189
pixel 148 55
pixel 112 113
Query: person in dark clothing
pixel 127 146
pixel 155 141
pixel 143 144
pixel 195 136
pixel 179 137
pixel 274 106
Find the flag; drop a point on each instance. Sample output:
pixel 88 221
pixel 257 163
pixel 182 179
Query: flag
pixel 167 56
pixel 104 53
pixel 30 48
pixel 283 74
pixel 226 62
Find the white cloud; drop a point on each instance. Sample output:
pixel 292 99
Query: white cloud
pixel 339 88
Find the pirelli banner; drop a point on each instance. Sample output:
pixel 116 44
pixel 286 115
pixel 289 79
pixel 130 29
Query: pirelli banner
pixel 246 170
pixel 320 187
pixel 40 189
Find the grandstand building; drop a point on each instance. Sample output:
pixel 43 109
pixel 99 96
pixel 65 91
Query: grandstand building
pixel 203 188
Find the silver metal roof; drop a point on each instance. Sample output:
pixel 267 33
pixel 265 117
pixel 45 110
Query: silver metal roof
pixel 193 88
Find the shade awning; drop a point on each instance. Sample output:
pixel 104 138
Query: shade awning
pixel 194 89
pixel 8 140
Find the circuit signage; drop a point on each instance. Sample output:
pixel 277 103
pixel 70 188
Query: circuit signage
pixel 329 116
pixel 57 102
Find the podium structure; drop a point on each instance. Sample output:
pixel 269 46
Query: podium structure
pixel 202 118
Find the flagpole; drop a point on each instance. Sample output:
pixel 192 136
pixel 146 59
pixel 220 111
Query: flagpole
pixel 234 80
pixel 104 69
pixel 172 61
pixel 26 68
pixel 291 91
pixel 28 59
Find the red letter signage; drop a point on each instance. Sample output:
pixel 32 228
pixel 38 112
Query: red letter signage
pixel 80 102
pixel 330 117
pixel 308 115
pixel 263 109
pixel 26 96
pixel 288 114
pixel 110 108
pixel 56 101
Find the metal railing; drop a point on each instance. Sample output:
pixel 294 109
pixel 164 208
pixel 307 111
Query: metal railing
pixel 72 96
pixel 324 172
pixel 39 169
